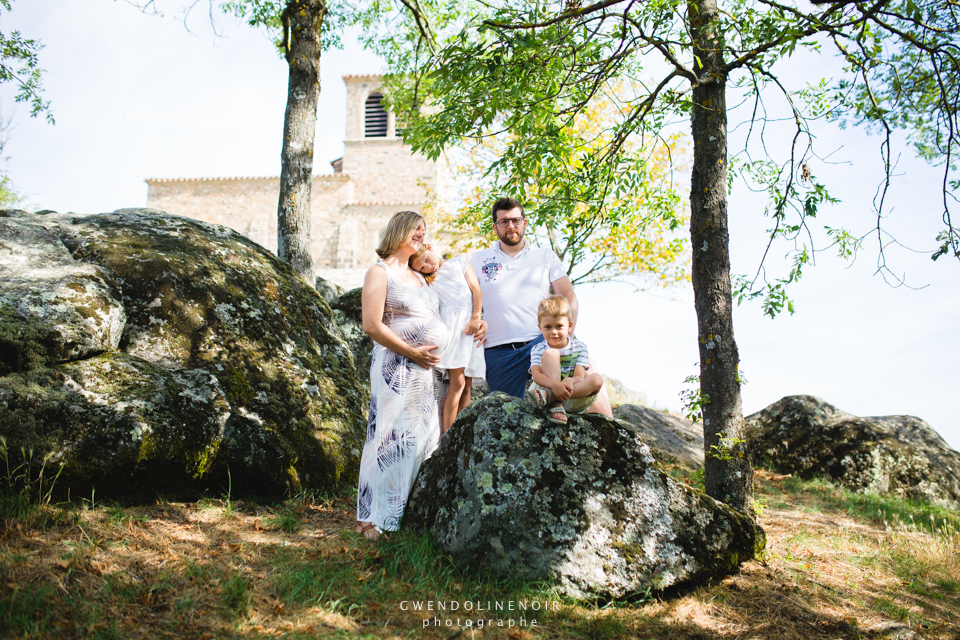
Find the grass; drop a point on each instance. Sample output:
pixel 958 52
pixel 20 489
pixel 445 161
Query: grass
pixel 25 483
pixel 119 515
pixel 892 511
pixel 236 595
pixel 285 521
pixel 838 565
pixel 685 475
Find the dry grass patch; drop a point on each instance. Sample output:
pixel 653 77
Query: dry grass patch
pixel 296 569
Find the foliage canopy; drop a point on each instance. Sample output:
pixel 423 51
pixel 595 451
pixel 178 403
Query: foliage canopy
pixel 634 228
pixel 19 64
pixel 531 68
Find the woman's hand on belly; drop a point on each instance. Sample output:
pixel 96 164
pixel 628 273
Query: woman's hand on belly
pixel 426 356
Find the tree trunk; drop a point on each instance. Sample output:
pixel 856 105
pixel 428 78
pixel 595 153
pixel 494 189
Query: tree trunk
pixel 304 18
pixel 728 471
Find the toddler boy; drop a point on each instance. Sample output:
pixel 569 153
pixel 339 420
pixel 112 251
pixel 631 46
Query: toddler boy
pixel 559 364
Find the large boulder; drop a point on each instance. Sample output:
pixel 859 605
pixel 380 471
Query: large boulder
pixel 900 455
pixel 349 316
pixel 671 438
pixel 582 505
pixel 146 352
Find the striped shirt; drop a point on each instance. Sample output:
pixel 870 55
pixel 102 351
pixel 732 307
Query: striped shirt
pixel 575 353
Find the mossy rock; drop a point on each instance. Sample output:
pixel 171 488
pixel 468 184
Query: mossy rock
pixel 896 455
pixel 52 308
pixel 581 504
pixel 328 290
pixel 349 316
pixel 202 298
pixel 116 420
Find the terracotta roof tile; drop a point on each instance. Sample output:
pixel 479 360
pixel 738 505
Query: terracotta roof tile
pixel 224 179
pixel 384 202
pixel 338 176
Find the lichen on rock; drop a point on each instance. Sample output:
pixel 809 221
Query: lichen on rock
pixel 349 317
pixel 52 308
pixel 115 421
pixel 897 455
pixel 581 504
pixel 189 296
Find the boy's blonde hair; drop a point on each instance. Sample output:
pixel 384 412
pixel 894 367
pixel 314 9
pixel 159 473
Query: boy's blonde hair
pixel 398 228
pixel 555 307
pixel 429 277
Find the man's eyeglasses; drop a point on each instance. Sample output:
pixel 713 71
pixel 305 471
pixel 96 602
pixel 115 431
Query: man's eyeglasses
pixel 503 223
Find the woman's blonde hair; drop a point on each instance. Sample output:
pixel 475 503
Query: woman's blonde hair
pixel 399 227
pixel 429 277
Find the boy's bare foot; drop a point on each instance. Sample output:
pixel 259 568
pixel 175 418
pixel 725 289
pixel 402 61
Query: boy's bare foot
pixel 369 531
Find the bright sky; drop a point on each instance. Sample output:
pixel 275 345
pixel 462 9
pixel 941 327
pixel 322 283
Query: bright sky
pixel 136 96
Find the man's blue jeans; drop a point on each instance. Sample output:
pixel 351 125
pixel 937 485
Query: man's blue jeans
pixel 508 367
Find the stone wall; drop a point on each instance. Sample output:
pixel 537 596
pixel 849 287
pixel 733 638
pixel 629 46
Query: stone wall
pixel 249 206
pixel 385 170
pixel 377 177
pixel 238 203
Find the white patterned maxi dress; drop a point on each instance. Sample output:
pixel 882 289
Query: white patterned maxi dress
pixel 403 427
pixel 456 310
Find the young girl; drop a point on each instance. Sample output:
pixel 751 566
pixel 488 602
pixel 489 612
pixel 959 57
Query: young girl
pixel 460 306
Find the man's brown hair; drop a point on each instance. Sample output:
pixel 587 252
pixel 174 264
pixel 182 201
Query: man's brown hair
pixel 505 204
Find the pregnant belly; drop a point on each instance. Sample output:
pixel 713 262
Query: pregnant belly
pixel 437 334
pixel 433 332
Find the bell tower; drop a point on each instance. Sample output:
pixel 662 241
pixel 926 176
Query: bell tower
pixel 383 169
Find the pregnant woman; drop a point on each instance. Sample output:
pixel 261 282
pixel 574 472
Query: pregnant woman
pixel 402 315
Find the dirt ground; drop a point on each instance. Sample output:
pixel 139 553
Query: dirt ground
pixel 221 569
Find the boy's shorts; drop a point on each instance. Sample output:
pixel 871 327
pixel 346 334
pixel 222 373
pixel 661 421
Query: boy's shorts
pixel 573 405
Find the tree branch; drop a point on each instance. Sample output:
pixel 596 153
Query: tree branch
pixel 423 25
pixel 574 13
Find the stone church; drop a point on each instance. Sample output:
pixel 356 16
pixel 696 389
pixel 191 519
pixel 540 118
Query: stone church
pixel 376 177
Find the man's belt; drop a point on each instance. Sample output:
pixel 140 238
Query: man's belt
pixel 510 345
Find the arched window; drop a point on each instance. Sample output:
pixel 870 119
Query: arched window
pixel 375 118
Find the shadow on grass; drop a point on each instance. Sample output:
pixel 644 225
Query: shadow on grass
pixel 296 569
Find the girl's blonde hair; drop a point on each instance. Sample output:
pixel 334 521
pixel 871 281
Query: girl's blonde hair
pixel 429 277
pixel 399 227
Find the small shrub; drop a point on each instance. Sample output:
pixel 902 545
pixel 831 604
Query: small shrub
pixel 236 596
pixel 23 487
pixel 285 521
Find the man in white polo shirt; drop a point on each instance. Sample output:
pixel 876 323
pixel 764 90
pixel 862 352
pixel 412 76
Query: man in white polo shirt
pixel 514 277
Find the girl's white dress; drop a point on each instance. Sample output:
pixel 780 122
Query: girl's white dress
pixel 403 427
pixel 456 309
